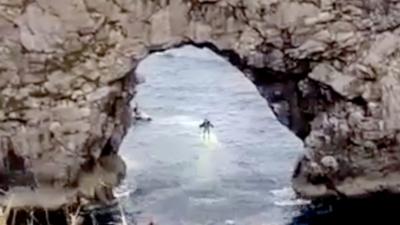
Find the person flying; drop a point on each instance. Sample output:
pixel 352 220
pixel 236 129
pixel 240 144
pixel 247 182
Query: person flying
pixel 206 126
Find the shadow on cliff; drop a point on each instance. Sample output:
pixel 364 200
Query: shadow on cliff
pixel 374 210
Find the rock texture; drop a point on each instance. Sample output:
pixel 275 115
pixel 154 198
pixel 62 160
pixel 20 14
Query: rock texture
pixel 329 69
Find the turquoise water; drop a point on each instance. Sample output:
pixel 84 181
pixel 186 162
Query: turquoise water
pixel 241 175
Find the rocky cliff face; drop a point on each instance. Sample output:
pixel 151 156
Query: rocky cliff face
pixel 329 70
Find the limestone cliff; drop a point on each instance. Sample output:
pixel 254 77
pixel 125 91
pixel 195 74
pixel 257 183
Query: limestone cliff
pixel 329 70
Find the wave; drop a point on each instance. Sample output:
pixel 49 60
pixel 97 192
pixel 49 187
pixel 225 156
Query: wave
pixel 287 197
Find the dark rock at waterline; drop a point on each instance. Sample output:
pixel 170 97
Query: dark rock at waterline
pixel 37 217
pixel 381 208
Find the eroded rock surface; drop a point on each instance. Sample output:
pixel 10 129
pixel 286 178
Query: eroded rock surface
pixel 329 70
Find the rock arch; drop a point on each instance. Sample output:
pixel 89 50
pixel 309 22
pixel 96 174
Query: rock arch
pixel 328 69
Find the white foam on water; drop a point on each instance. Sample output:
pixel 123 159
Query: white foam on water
pixel 287 197
pixel 122 194
pixel 294 202
pixel 131 163
pixel 285 192
pixel 125 189
pixel 230 222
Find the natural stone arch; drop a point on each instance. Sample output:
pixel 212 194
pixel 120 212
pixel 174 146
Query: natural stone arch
pixel 277 87
pixel 329 66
